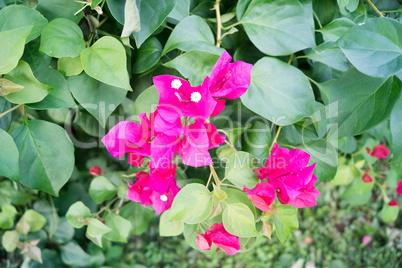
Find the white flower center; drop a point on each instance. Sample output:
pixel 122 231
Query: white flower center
pixel 164 198
pixel 195 96
pixel 176 84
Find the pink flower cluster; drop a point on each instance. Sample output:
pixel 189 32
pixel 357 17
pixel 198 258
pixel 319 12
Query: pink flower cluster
pixel 220 237
pixel 179 125
pixel 288 177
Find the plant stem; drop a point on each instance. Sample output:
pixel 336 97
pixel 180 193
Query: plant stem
pixel 375 8
pixel 225 184
pixel 209 179
pixel 218 23
pixel 233 25
pixel 10 110
pixel 218 182
pixel 290 58
pixel 276 138
pixel 231 146
pixel 317 19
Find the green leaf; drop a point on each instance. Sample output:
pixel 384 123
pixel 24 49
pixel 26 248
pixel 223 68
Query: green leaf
pixel 349 5
pixel 396 131
pixel 279 92
pixel 237 196
pixel 152 14
pixel 343 176
pixel 181 10
pixel 148 55
pixel 5 121
pixel 239 170
pixel 116 7
pixel 194 65
pixel 192 204
pixel 53 9
pixel 78 210
pixel 33 90
pixel 10 240
pixel 16 16
pixel 234 133
pixel 22 227
pixel 224 152
pixel 285 221
pixel 106 61
pixel 336 29
pixel 358 192
pixel 101 189
pixel 169 228
pixel 346 144
pixel 192 33
pixel 64 232
pixel 62 38
pixel 239 220
pixel 9 157
pixel 73 255
pixel 50 152
pixel 279 27
pixel 59 97
pixel 12 44
pixel 325 156
pixel 70 66
pixel 327 54
pixel 96 229
pixel 138 215
pixel 389 213
pixel 35 220
pixel 374 47
pixel 257 140
pixel 99 99
pixel 37 60
pixel 352 112
pixel 120 228
pixel 147 101
pixel 6 222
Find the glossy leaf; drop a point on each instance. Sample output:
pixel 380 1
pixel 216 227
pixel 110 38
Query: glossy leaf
pixel 239 169
pixel 101 189
pixel 62 38
pixel 194 65
pixel 106 61
pixel 336 29
pixel 148 55
pixel 238 220
pixel 327 54
pixel 279 27
pixel 12 46
pixel 192 33
pixel 49 150
pixel 36 59
pixel 152 14
pixel 192 204
pixel 9 157
pixel 285 221
pixel 279 92
pixel 77 214
pixel 374 47
pixel 53 9
pixel 99 99
pixel 169 228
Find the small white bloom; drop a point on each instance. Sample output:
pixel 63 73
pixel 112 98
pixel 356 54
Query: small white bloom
pixel 176 84
pixel 164 198
pixel 195 96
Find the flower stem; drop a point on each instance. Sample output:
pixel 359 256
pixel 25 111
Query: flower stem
pixel 218 182
pixel 233 25
pixel 225 184
pixel 209 179
pixel 375 8
pixel 231 146
pixel 276 138
pixel 218 24
pixel 10 110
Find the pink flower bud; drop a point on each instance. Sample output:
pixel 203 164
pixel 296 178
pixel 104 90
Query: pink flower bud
pixel 393 203
pixel 399 187
pixel 366 239
pixel 366 177
pixel 379 151
pixel 203 242
pixel 96 171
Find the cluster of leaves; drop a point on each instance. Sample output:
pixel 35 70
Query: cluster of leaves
pixel 326 78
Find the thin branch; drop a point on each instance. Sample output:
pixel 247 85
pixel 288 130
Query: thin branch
pixel 10 110
pixel 375 8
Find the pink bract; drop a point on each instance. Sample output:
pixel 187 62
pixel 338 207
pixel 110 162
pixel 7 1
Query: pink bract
pixel 203 242
pixel 367 178
pixel 393 203
pixel 262 196
pixel 95 170
pixel 222 239
pixel 379 151
pixel 399 187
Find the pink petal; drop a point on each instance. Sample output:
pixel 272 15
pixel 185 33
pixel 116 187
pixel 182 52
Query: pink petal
pixel 222 239
pixel 215 139
pixel 220 105
pixel 203 242
pixel 163 148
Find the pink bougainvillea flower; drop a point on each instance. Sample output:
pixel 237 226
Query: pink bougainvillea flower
pixel 262 195
pixel 203 242
pixel 222 239
pixel 139 191
pixel 399 187
pixel 178 99
pixel 162 202
pixel 229 80
pixel 288 173
pixel 160 179
pixel 220 105
pixel 379 151
pixel 366 239
pixel 95 170
pixel 366 177
pixel 130 137
pixel 215 139
pixel 135 159
pixel 393 203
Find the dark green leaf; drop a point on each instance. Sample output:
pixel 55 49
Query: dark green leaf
pixel 279 27
pixel 181 10
pixel 72 254
pixel 50 152
pixel 138 215
pixel 37 60
pixel 53 9
pixel 396 131
pixel 99 99
pixel 148 55
pixel 327 54
pixel 279 92
pixel 257 140
pixel 335 29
